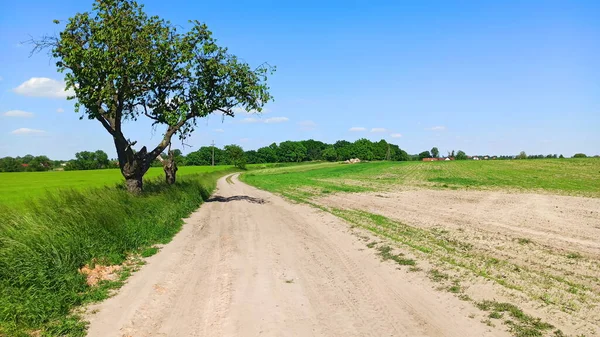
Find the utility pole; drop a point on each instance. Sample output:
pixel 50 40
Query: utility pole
pixel 213 153
pixel 387 156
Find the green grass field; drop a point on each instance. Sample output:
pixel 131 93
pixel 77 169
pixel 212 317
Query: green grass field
pixel 17 187
pixel 564 176
pixel 44 243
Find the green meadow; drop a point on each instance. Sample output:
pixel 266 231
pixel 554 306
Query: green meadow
pixel 16 187
pixel 561 176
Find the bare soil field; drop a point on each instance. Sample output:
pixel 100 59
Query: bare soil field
pixel 540 252
pixel 250 263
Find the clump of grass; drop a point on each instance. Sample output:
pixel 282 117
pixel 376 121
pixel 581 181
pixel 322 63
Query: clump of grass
pixel 521 325
pixel 44 243
pixel 524 241
pixel 149 251
pixel 386 254
pixel 371 244
pixel 455 288
pixel 438 276
pixel 496 315
pixel 574 256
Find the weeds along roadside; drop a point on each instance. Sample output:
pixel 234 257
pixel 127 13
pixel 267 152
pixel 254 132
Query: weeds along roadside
pixel 44 244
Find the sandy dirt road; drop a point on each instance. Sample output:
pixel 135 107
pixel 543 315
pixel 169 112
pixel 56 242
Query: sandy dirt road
pixel 249 263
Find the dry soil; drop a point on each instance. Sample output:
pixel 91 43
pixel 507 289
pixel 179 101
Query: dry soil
pixel 249 263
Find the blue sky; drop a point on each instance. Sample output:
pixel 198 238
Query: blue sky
pixel 487 77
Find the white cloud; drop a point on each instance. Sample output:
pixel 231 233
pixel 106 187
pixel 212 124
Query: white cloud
pixel 26 131
pixel 244 140
pixel 307 125
pixel 276 120
pixel 18 113
pixel 43 87
pixel 396 135
pixel 250 120
pixel 379 130
pixel 357 129
pixel 219 130
pixel 240 110
pixel 437 128
pixel 272 120
pixel 59 110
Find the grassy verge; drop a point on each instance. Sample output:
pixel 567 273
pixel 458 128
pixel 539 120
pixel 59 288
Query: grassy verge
pixel 44 244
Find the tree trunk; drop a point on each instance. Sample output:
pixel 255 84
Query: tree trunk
pixel 133 165
pixel 170 168
pixel 134 185
pixel 134 174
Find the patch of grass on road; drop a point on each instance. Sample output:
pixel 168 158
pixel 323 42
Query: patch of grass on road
pixel 521 325
pixel 386 253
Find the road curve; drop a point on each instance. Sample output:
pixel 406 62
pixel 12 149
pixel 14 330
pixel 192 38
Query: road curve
pixel 249 263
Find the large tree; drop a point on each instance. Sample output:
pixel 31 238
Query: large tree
pixel 123 65
pixel 435 153
pixel 236 156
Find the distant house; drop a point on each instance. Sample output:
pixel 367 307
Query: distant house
pixel 438 159
pixel 475 158
pixel 486 157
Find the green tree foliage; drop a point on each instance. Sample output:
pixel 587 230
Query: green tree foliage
pixel 435 153
pixel 252 157
pixel 424 154
pixel 363 149
pixel 86 160
pixel 522 155
pixel 579 155
pixel 461 155
pixel 314 148
pixel 290 151
pixel 236 156
pixel 329 154
pixel 398 154
pixel 203 156
pixel 268 154
pixel 27 163
pixel 343 149
pixel 124 65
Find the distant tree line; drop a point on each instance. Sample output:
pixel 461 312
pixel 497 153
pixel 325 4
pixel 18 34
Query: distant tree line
pixel 299 151
pixel 284 152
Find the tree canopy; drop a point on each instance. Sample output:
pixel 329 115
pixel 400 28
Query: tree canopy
pixel 124 65
pixel 86 160
pixel 236 156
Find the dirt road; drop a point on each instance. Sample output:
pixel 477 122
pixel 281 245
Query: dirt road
pixel 249 263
